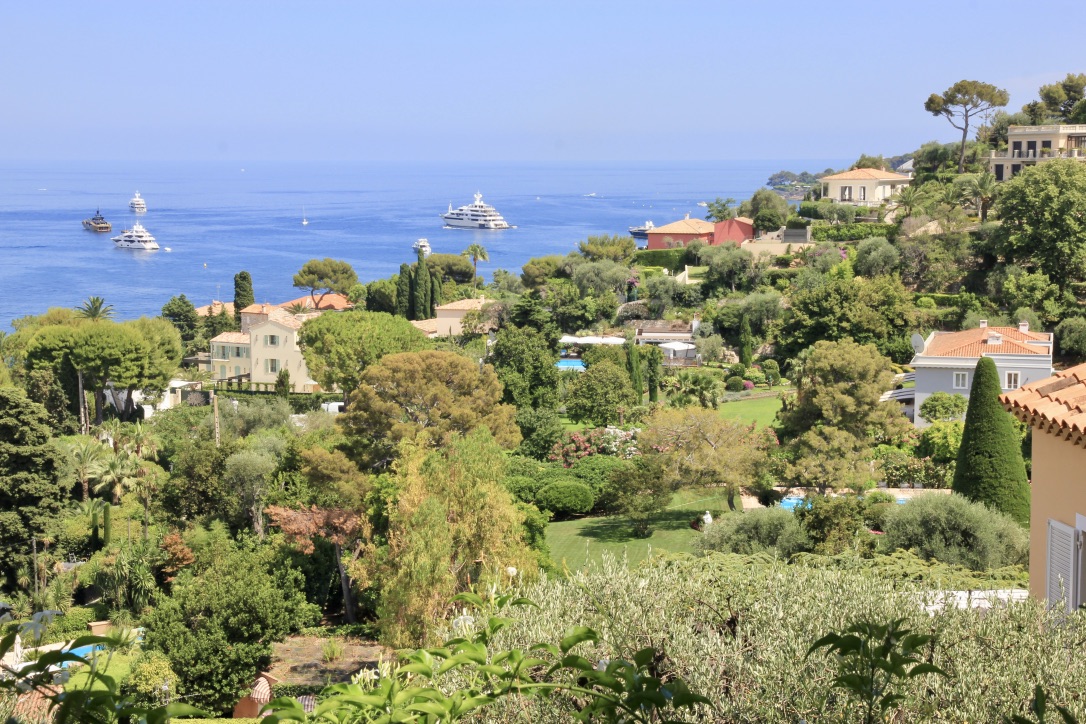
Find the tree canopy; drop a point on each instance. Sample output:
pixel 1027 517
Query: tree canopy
pixel 339 347
pixel 324 276
pixel 963 100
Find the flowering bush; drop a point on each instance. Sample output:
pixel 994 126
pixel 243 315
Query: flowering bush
pixel 748 385
pixel 600 441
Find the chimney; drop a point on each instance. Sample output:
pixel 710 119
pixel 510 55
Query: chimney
pixel 688 215
pixel 983 323
pixel 1023 327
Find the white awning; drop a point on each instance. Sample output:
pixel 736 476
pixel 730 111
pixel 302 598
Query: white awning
pixel 570 339
pixel 677 346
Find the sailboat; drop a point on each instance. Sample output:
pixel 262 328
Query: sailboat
pixel 305 221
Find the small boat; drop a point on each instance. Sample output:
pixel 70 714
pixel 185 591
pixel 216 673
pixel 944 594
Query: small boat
pixel 137 204
pixel 591 195
pixel 136 238
pixel 166 248
pixel 642 232
pixel 305 221
pixel 703 203
pixel 422 246
pixel 97 223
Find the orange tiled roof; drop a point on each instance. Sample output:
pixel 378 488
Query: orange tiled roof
pixel 214 308
pixel 866 174
pixel 232 338
pixel 331 300
pixel 973 343
pixel 426 326
pixel 258 308
pixel 685 226
pixel 464 305
pixel 1056 404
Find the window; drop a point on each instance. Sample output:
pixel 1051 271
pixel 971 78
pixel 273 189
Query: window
pixel 961 380
pixel 863 193
pixel 222 372
pixel 1063 574
pixel 999 172
pixel 271 340
pixel 271 366
pixel 846 193
pixel 237 371
pixel 1011 381
pixel 1016 168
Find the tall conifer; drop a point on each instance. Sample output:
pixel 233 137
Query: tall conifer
pixel 990 468
pixel 403 292
pixel 633 364
pixel 243 293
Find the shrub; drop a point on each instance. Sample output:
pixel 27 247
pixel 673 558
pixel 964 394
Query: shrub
pixel 151 681
pixel 925 303
pixel 566 498
pixel 734 384
pixel 850 232
pixel 668 258
pixel 748 385
pixel 1071 336
pixel 951 529
pixel 941 441
pixel 595 471
pixel 522 487
pixel 835 524
pixel 763 529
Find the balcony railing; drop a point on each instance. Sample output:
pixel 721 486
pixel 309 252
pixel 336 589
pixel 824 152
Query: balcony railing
pixel 1055 128
pixel 1038 156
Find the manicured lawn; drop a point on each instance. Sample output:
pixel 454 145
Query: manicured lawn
pixel 119 666
pixel 760 410
pixel 574 543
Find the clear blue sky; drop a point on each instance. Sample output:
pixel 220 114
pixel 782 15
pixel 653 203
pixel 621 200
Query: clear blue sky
pixel 510 80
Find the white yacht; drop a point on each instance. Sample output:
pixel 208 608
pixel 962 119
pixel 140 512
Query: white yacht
pixel 137 204
pixel 475 216
pixel 641 232
pixel 136 238
pixel 422 246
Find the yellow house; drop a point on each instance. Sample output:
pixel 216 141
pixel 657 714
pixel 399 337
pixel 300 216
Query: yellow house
pixel 450 317
pixel 1055 409
pixel 1027 145
pixel 266 344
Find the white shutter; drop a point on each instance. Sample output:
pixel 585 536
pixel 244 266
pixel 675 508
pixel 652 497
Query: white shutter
pixel 1061 581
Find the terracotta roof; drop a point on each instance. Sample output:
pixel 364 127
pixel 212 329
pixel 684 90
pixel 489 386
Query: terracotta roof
pixel 974 343
pixel 464 305
pixel 232 338
pixel 732 230
pixel 1056 404
pixel 745 220
pixel 294 321
pixel 866 174
pixel 331 300
pixel 427 326
pixel 211 309
pixel 264 308
pixel 685 226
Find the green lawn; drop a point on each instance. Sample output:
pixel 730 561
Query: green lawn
pixel 119 666
pixel 574 543
pixel 760 410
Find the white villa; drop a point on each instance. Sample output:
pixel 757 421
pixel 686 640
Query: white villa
pixel 863 186
pixel 1028 145
pixel 266 344
pixel 945 361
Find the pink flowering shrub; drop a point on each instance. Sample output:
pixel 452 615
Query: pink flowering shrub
pixel 748 385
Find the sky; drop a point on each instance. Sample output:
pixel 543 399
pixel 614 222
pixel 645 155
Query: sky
pixel 517 80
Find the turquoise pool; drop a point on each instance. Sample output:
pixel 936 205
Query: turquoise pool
pixel 569 364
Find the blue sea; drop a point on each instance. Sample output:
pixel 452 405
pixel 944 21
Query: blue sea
pixel 220 218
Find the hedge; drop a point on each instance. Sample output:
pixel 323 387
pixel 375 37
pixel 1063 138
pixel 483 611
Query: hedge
pixel 941 300
pixel 773 275
pixel 672 259
pixel 850 232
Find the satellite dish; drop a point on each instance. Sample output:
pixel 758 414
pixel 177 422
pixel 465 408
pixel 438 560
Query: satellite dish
pixel 918 343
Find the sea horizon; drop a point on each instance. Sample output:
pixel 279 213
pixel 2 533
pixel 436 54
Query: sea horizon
pixel 222 217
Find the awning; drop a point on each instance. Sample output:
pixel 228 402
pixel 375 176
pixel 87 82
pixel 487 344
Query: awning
pixel 677 346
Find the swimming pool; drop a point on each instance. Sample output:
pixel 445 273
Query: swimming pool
pixel 792 502
pixel 82 651
pixel 570 364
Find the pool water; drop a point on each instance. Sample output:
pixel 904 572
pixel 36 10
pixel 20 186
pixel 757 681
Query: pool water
pixel 569 364
pixel 792 502
pixel 83 651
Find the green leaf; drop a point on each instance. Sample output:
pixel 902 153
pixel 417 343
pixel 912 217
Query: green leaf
pixel 469 597
pixel 577 635
pixel 927 669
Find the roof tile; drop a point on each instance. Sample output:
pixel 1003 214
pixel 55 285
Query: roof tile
pixel 1056 402
pixel 866 174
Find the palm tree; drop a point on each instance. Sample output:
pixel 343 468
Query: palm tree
pixel 298 308
pixel 95 309
pixel 696 386
pixel 141 441
pixel 118 475
pixel 982 188
pixel 909 199
pixel 86 457
pixel 115 432
pixel 475 252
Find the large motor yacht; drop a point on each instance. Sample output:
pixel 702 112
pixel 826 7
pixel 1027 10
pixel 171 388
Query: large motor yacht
pixel 137 204
pixel 641 232
pixel 136 238
pixel 422 246
pixel 475 216
pixel 97 223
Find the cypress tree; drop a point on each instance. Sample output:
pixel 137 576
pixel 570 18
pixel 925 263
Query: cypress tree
pixel 403 292
pixel 653 358
pixel 435 293
pixel 633 365
pixel 107 524
pixel 990 468
pixel 421 301
pixel 746 343
pixel 243 293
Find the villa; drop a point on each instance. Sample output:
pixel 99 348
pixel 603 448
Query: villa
pixel 680 233
pixel 863 186
pixel 1055 409
pixel 1029 145
pixel 266 344
pixel 449 320
pixel 945 361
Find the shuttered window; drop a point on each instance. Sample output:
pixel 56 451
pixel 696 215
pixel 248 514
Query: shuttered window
pixel 1062 580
